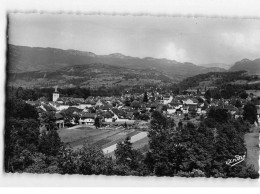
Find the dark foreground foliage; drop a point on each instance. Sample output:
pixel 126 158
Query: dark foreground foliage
pixel 186 150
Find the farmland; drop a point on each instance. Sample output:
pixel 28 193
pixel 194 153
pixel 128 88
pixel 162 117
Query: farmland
pixel 103 137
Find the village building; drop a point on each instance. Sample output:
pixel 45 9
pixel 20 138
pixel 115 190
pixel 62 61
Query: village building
pixel 87 119
pixel 167 99
pixel 55 95
pixel 59 120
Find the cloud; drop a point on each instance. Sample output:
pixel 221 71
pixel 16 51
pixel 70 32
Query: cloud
pixel 170 51
pixel 239 41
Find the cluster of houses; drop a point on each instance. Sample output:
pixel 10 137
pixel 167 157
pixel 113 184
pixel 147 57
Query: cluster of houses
pixel 126 109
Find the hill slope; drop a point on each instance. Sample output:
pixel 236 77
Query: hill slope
pixel 216 79
pixel 25 59
pixel 93 75
pixel 252 67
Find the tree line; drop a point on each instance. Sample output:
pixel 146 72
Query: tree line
pixel 75 92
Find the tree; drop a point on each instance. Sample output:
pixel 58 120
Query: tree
pixel 238 104
pixel 128 157
pixel 97 122
pixel 145 99
pixel 19 92
pixel 93 161
pixel 21 140
pixel 243 95
pixel 135 104
pixel 127 102
pixel 180 124
pixel 17 108
pixel 229 142
pixel 219 114
pixel 193 113
pixel 136 115
pixel 208 95
pixel 42 164
pixel 68 160
pixel 48 120
pixel 68 117
pixel 250 113
pixel 159 159
pixel 194 149
pixel 164 108
pixel 50 143
pixel 144 117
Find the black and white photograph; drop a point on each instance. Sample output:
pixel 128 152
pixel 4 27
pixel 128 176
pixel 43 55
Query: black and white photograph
pixel 132 95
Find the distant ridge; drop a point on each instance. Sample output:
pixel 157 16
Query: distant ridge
pixel 26 59
pixel 220 65
pixel 252 67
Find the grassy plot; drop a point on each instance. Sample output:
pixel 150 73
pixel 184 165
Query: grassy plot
pixel 140 143
pixel 70 135
pixel 94 138
pixel 76 137
pixel 119 137
pixel 100 137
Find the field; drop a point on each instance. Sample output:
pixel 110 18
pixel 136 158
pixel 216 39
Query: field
pixel 103 138
pixel 252 145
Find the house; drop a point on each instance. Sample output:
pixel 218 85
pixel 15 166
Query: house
pixel 190 101
pixel 232 109
pixel 73 110
pixel 192 107
pixel 204 109
pixel 100 103
pixel 58 106
pixel 105 107
pixel 239 113
pixel 87 118
pixel 48 108
pixel 176 104
pixel 192 91
pixel 178 111
pixel 199 111
pixel 170 109
pixel 258 115
pixel 89 104
pixel 89 110
pixel 185 110
pixel 83 106
pixel 62 107
pixel 108 116
pixel 59 120
pixel 167 99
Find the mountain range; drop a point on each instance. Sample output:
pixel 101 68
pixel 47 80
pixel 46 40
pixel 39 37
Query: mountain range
pixel 32 65
pixel 252 67
pixel 24 59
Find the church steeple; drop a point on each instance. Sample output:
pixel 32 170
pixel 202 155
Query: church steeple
pixel 55 95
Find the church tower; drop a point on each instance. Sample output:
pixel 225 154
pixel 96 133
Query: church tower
pixel 55 95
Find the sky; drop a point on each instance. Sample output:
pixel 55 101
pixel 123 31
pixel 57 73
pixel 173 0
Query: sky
pixel 199 40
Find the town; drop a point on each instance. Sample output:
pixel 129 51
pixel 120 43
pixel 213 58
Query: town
pixel 130 114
